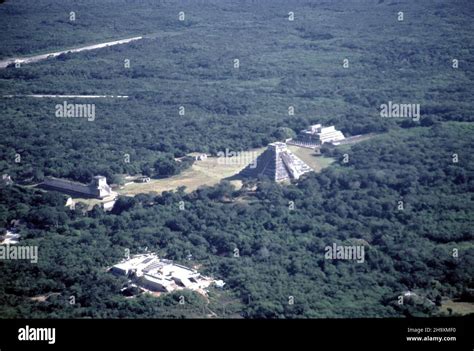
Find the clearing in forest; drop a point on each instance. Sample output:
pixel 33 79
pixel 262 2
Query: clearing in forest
pixel 211 171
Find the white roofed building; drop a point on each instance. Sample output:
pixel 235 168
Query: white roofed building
pixel 317 135
pixel 159 275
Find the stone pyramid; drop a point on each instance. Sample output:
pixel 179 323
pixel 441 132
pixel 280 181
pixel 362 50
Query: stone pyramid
pixel 277 163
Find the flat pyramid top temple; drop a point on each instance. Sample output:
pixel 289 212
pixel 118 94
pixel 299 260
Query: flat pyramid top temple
pixel 277 163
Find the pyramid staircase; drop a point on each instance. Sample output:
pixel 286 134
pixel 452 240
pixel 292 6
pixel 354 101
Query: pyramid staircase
pixel 277 163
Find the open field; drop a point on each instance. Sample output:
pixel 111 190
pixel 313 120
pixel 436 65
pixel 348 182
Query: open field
pixel 310 158
pixel 202 173
pixel 461 308
pixel 211 171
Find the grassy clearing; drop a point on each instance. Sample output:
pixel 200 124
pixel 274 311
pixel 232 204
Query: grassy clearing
pixel 460 308
pixel 311 158
pixel 202 173
pixel 210 172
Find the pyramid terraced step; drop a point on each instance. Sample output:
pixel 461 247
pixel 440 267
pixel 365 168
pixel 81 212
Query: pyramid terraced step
pixel 277 163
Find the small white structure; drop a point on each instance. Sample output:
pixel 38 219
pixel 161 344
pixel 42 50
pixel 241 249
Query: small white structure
pixel 143 179
pixel 200 157
pixel 6 179
pixel 159 275
pixel 219 283
pixel 100 186
pixel 70 203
